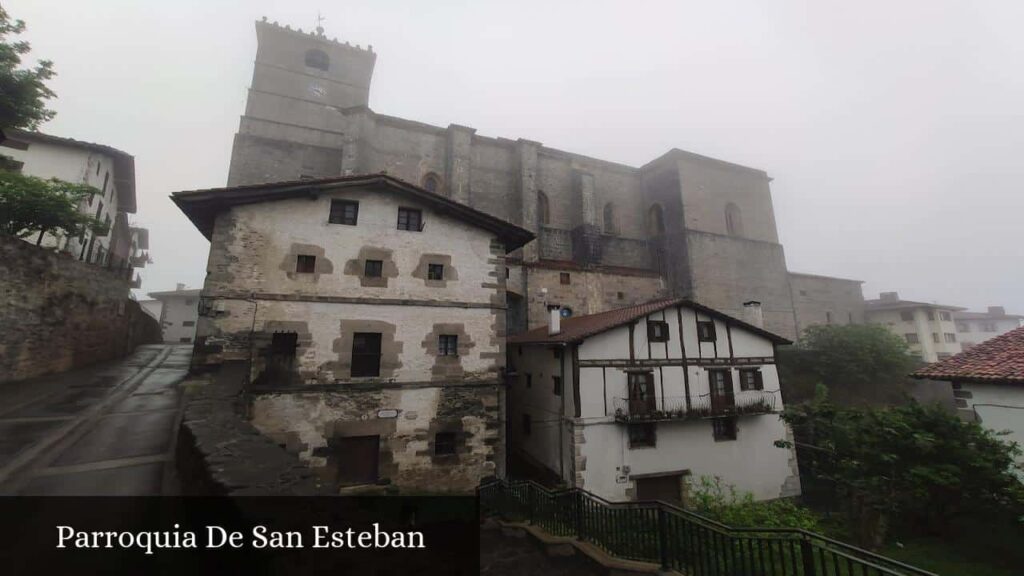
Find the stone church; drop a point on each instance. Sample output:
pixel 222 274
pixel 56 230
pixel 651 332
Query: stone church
pixel 608 235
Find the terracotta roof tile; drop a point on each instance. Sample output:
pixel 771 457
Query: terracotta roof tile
pixel 579 328
pixel 1000 359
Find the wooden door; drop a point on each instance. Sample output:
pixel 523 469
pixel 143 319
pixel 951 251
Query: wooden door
pixel 641 393
pixel 665 488
pixel 722 397
pixel 358 458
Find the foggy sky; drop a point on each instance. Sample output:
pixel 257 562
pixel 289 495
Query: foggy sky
pixel 894 131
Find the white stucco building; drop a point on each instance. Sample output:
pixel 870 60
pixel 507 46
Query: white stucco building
pixel 929 329
pixel 371 315
pixel 988 383
pixel 632 403
pixel 973 328
pixel 178 313
pixel 107 169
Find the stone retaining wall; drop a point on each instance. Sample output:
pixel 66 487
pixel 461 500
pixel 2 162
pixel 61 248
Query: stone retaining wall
pixel 58 313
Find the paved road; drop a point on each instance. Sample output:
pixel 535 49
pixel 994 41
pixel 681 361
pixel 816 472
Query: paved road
pixel 105 430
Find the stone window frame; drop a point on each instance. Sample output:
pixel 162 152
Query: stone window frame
pixel 373 268
pixel 305 264
pixel 405 219
pixel 657 331
pixel 339 212
pixel 647 439
pixel 380 343
pixel 445 443
pixel 733 220
pixel 435 271
pixel 543 209
pixel 706 331
pixel 564 278
pixel 429 177
pixel 317 58
pixel 448 344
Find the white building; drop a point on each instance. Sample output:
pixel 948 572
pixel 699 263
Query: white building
pixel 988 383
pixel 179 312
pixel 929 329
pixel 631 403
pixel 371 314
pixel 107 169
pixel 973 328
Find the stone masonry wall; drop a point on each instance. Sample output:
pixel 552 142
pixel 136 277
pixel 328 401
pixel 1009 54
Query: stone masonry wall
pixel 58 313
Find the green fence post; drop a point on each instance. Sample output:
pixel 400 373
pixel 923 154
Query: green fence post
pixel 663 537
pixel 807 555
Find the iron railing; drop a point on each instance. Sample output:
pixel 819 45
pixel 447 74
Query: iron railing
pixel 702 406
pixel 677 539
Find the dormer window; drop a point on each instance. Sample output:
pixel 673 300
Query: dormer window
pixel 318 59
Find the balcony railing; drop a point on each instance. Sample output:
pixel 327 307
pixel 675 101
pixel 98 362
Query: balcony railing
pixel 702 406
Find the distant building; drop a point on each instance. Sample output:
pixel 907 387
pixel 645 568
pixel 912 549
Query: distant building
pixel 825 300
pixel 108 169
pixel 929 329
pixel 988 383
pixel 633 403
pixel 179 312
pixel 976 327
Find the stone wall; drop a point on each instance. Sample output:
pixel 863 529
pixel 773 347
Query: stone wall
pixel 826 300
pixel 59 313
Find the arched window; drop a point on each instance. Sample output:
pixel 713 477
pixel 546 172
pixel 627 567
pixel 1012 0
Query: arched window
pixel 609 219
pixel 543 209
pixel 318 59
pixel 733 220
pixel 656 220
pixel 432 182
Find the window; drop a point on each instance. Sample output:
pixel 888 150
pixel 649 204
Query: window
pixel 750 379
pixel 733 220
pixel 642 436
pixel 557 385
pixel 963 327
pixel 620 295
pixel 444 443
pixel 448 345
pixel 803 292
pixel 318 59
pixel 431 182
pixel 184 340
pixel 828 317
pixel 935 337
pixel 435 271
pixel 507 273
pixel 706 331
pixel 410 219
pixel 656 221
pixel 557 353
pixel 564 278
pixel 527 425
pixel 106 180
pixel 365 354
pixel 907 316
pixel 930 314
pixel 943 355
pixel 373 268
pixel 99 209
pixel 344 212
pixel 609 219
pixel 190 302
pixel 657 331
pixel 724 428
pixel 988 327
pixel 305 264
pixel 945 316
pixel 543 209
pixel 912 338
pixel 188 323
pixel 949 337
pixel 529 380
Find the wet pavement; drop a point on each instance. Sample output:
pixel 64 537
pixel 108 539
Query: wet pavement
pixel 510 555
pixel 109 429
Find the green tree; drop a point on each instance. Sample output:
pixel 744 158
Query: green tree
pixel 31 205
pixel 859 363
pixel 922 464
pixel 23 91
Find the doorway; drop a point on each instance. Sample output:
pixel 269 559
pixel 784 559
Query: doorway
pixel 668 488
pixel 358 460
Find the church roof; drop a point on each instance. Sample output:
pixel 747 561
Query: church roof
pixel 202 206
pixel 579 328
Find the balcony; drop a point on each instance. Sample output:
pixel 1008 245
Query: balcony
pixel 704 406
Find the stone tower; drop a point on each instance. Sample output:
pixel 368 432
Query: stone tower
pixel 293 124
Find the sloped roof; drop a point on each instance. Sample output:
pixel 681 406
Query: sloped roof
pixel 124 163
pixel 878 305
pixel 579 328
pixel 202 206
pixel 999 360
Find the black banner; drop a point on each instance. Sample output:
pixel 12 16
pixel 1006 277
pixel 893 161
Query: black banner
pixel 273 535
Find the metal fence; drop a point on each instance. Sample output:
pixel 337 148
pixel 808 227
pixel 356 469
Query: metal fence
pixel 696 406
pixel 680 540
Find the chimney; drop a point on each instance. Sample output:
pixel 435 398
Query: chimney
pixel 180 287
pixel 752 313
pixel 889 296
pixel 554 319
pixel 997 311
